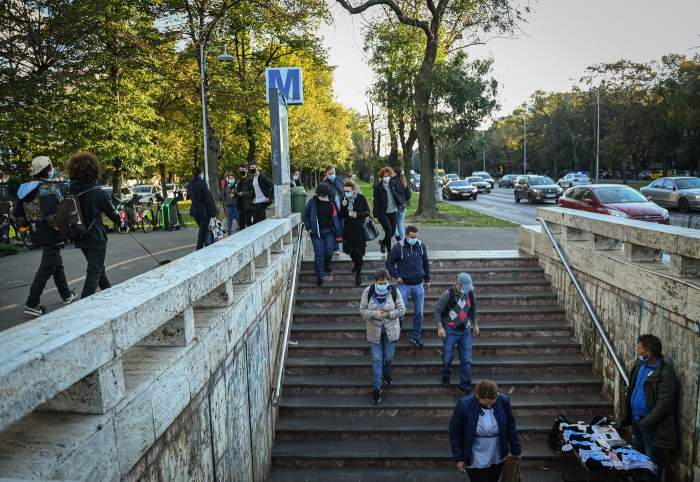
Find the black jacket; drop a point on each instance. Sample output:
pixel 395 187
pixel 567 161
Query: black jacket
pixel 203 204
pixel 246 190
pixel 381 201
pixel 93 204
pixel 403 194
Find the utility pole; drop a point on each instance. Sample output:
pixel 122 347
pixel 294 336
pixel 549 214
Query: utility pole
pixel 483 145
pixel 525 143
pixel 597 136
pixel 202 69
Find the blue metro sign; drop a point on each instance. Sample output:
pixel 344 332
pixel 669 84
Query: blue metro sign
pixel 289 82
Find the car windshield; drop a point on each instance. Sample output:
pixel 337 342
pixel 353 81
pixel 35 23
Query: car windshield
pixel 476 179
pixel 615 195
pixel 142 189
pixel 485 175
pixel 459 183
pixel 688 183
pixel 170 186
pixel 540 181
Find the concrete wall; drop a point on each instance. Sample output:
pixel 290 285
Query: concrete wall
pixel 640 278
pixel 166 376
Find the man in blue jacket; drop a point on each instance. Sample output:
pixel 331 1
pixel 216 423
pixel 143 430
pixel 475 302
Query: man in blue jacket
pixel 483 433
pixel 408 263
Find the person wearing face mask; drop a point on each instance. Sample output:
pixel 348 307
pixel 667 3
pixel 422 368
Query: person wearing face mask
pixel 229 198
pixel 296 179
pixel 455 316
pixel 483 433
pixel 381 308
pixel 321 220
pixel 37 205
pixel 335 187
pixel 385 207
pixel 203 206
pixel 354 209
pixel 403 197
pixel 652 404
pixel 263 191
pixel 244 193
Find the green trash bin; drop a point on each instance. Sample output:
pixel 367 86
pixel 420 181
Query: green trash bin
pixel 298 199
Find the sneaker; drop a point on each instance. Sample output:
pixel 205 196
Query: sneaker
pixel 377 396
pixel 416 342
pixel 387 380
pixel 445 381
pixel 319 281
pixel 35 311
pixel 70 299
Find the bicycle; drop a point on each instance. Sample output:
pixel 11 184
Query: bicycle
pixel 10 233
pixel 135 216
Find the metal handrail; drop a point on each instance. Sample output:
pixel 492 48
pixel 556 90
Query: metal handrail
pixel 277 390
pixel 586 303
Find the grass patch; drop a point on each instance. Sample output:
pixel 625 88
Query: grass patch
pixel 449 215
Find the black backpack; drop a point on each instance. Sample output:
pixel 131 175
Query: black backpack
pixel 69 216
pixel 392 290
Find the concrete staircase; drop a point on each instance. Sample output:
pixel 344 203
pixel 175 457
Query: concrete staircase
pixel 328 428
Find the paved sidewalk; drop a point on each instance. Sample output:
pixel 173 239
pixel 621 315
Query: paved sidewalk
pixel 459 239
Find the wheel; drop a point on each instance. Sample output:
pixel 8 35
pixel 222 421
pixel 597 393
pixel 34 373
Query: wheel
pixel 683 205
pixel 517 199
pixel 488 191
pixel 474 197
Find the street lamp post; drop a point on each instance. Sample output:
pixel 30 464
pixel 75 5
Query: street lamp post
pixel 597 136
pixel 483 148
pixel 525 143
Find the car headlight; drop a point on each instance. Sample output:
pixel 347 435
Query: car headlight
pixel 664 213
pixel 559 189
pixel 536 190
pixel 617 214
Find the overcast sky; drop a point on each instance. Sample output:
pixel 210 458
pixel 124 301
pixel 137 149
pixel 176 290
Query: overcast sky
pixel 560 39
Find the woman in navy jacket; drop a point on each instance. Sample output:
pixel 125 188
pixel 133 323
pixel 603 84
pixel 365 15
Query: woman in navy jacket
pixel 321 220
pixel 483 433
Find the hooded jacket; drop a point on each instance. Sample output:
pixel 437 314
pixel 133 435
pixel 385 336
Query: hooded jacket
pixel 409 262
pixel 93 204
pixel 49 196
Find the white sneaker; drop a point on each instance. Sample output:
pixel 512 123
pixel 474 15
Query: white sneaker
pixel 35 311
pixel 70 299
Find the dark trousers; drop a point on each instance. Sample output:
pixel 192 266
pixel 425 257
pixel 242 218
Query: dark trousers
pixel 203 230
pixel 357 259
pixel 259 212
pixel 51 265
pixel 246 215
pixel 388 222
pixel 643 441
pixel 323 251
pixel 95 275
pixel 489 474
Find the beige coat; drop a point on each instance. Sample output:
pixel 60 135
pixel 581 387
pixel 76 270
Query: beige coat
pixel 371 313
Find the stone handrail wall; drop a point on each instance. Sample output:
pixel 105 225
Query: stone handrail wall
pixel 165 376
pixel 640 278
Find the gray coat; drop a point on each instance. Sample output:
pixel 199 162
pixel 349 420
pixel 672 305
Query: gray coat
pixel 371 313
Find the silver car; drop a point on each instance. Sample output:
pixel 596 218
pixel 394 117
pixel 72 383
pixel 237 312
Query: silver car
pixel 573 179
pixel 675 192
pixel 481 184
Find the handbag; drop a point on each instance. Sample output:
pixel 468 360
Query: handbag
pixel 216 230
pixel 371 231
pixel 511 471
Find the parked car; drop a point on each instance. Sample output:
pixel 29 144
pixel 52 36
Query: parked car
pixel 125 193
pixel 486 176
pixel 481 183
pixel 574 179
pixel 536 189
pixel 614 199
pixel 507 181
pixel 459 189
pixel 451 177
pixel 415 183
pixel 175 190
pixel 675 192
pixel 147 192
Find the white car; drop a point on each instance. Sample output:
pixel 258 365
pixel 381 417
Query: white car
pixel 573 179
pixel 146 192
pixel 173 190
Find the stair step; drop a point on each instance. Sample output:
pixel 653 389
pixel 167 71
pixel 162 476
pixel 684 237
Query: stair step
pixel 431 294
pixel 442 262
pixel 390 474
pixel 456 269
pixel 438 284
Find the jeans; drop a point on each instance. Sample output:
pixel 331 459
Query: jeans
pixel 489 474
pixel 203 230
pixel 643 441
pixel 259 212
pixel 382 358
pixel 463 339
pixel 417 293
pixel 388 222
pixel 96 275
pixel 51 265
pixel 400 231
pixel 231 214
pixel 323 251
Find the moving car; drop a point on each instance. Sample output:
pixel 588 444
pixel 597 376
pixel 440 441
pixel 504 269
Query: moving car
pixel 451 177
pixel 508 180
pixel 147 192
pixel 459 189
pixel 574 179
pixel 614 199
pixel 481 183
pixel 173 190
pixel 486 176
pixel 536 189
pixel 675 192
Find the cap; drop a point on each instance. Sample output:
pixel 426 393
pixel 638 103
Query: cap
pixel 465 280
pixel 39 163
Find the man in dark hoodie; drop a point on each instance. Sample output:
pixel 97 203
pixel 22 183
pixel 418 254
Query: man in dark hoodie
pixel 203 207
pixel 83 171
pixel 408 263
pixel 38 202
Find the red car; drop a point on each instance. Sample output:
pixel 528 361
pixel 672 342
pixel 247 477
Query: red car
pixel 613 199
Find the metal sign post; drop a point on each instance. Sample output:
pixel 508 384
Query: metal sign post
pixel 279 128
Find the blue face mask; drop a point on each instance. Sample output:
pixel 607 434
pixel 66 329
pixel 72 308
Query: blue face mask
pixel 412 241
pixel 644 358
pixel 231 181
pixel 381 289
pixel 463 290
pixel 52 174
pixel 331 177
pixel 348 195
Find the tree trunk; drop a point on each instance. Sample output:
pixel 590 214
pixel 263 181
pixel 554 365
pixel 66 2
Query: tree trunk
pixel 407 144
pixel 117 177
pixel 163 179
pixel 250 136
pixel 213 151
pixel 427 206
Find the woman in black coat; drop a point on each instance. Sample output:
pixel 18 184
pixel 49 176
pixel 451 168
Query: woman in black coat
pixel 386 204
pixel 354 209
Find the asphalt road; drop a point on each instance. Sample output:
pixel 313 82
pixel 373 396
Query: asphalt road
pixel 125 259
pixel 501 204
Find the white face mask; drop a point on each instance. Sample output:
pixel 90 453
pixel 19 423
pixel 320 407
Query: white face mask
pixel 386 179
pixel 295 177
pixel 201 176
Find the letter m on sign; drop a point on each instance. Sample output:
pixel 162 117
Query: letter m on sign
pixel 288 80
